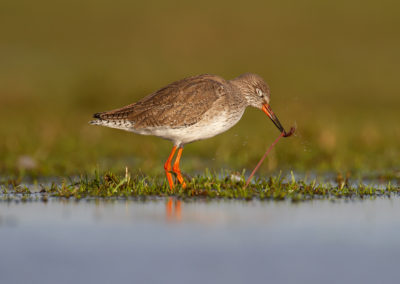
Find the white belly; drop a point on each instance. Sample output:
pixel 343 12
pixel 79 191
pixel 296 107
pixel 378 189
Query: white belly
pixel 202 130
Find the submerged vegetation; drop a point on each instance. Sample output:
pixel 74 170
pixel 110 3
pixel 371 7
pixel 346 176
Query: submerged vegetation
pixel 208 186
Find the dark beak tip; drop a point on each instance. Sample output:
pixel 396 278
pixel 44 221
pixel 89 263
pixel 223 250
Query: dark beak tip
pixel 267 110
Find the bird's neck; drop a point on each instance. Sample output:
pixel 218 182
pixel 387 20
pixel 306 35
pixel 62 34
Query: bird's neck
pixel 241 89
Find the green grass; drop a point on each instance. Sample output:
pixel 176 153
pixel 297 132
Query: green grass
pixel 208 186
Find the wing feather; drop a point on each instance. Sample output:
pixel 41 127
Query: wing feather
pixel 179 104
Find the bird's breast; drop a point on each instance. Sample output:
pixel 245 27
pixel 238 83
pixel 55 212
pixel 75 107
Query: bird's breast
pixel 210 125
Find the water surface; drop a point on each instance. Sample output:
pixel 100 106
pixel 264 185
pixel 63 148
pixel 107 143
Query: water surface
pixel 200 242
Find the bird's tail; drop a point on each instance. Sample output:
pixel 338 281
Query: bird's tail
pixel 114 118
pixel 99 119
pixel 111 120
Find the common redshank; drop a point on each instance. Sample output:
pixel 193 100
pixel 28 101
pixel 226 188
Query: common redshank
pixel 191 109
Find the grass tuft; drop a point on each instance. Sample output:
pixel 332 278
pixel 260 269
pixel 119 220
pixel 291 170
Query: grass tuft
pixel 207 186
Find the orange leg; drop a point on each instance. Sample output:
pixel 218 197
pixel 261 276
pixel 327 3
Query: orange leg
pixel 176 168
pixel 167 167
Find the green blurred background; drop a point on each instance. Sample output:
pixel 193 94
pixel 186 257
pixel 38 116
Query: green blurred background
pixel 333 68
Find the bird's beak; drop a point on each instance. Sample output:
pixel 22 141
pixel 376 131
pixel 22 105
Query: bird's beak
pixel 268 111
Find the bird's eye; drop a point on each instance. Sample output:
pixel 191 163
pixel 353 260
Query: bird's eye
pixel 259 92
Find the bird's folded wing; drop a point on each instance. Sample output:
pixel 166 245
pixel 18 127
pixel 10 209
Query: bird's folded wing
pixel 179 104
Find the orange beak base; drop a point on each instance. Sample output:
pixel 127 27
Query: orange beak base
pixel 268 111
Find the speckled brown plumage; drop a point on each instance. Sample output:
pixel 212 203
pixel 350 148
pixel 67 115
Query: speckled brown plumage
pixel 179 104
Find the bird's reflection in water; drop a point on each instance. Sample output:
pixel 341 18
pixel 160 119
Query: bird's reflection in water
pixel 173 210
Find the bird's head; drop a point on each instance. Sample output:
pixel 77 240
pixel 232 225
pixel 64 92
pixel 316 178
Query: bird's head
pixel 257 94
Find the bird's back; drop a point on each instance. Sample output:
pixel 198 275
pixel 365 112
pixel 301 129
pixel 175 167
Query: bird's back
pixel 179 104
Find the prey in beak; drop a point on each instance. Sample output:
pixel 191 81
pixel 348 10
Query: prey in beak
pixel 268 111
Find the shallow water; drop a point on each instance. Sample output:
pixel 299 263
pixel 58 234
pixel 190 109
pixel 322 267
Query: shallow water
pixel 214 242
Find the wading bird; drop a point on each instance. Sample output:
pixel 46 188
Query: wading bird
pixel 191 109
